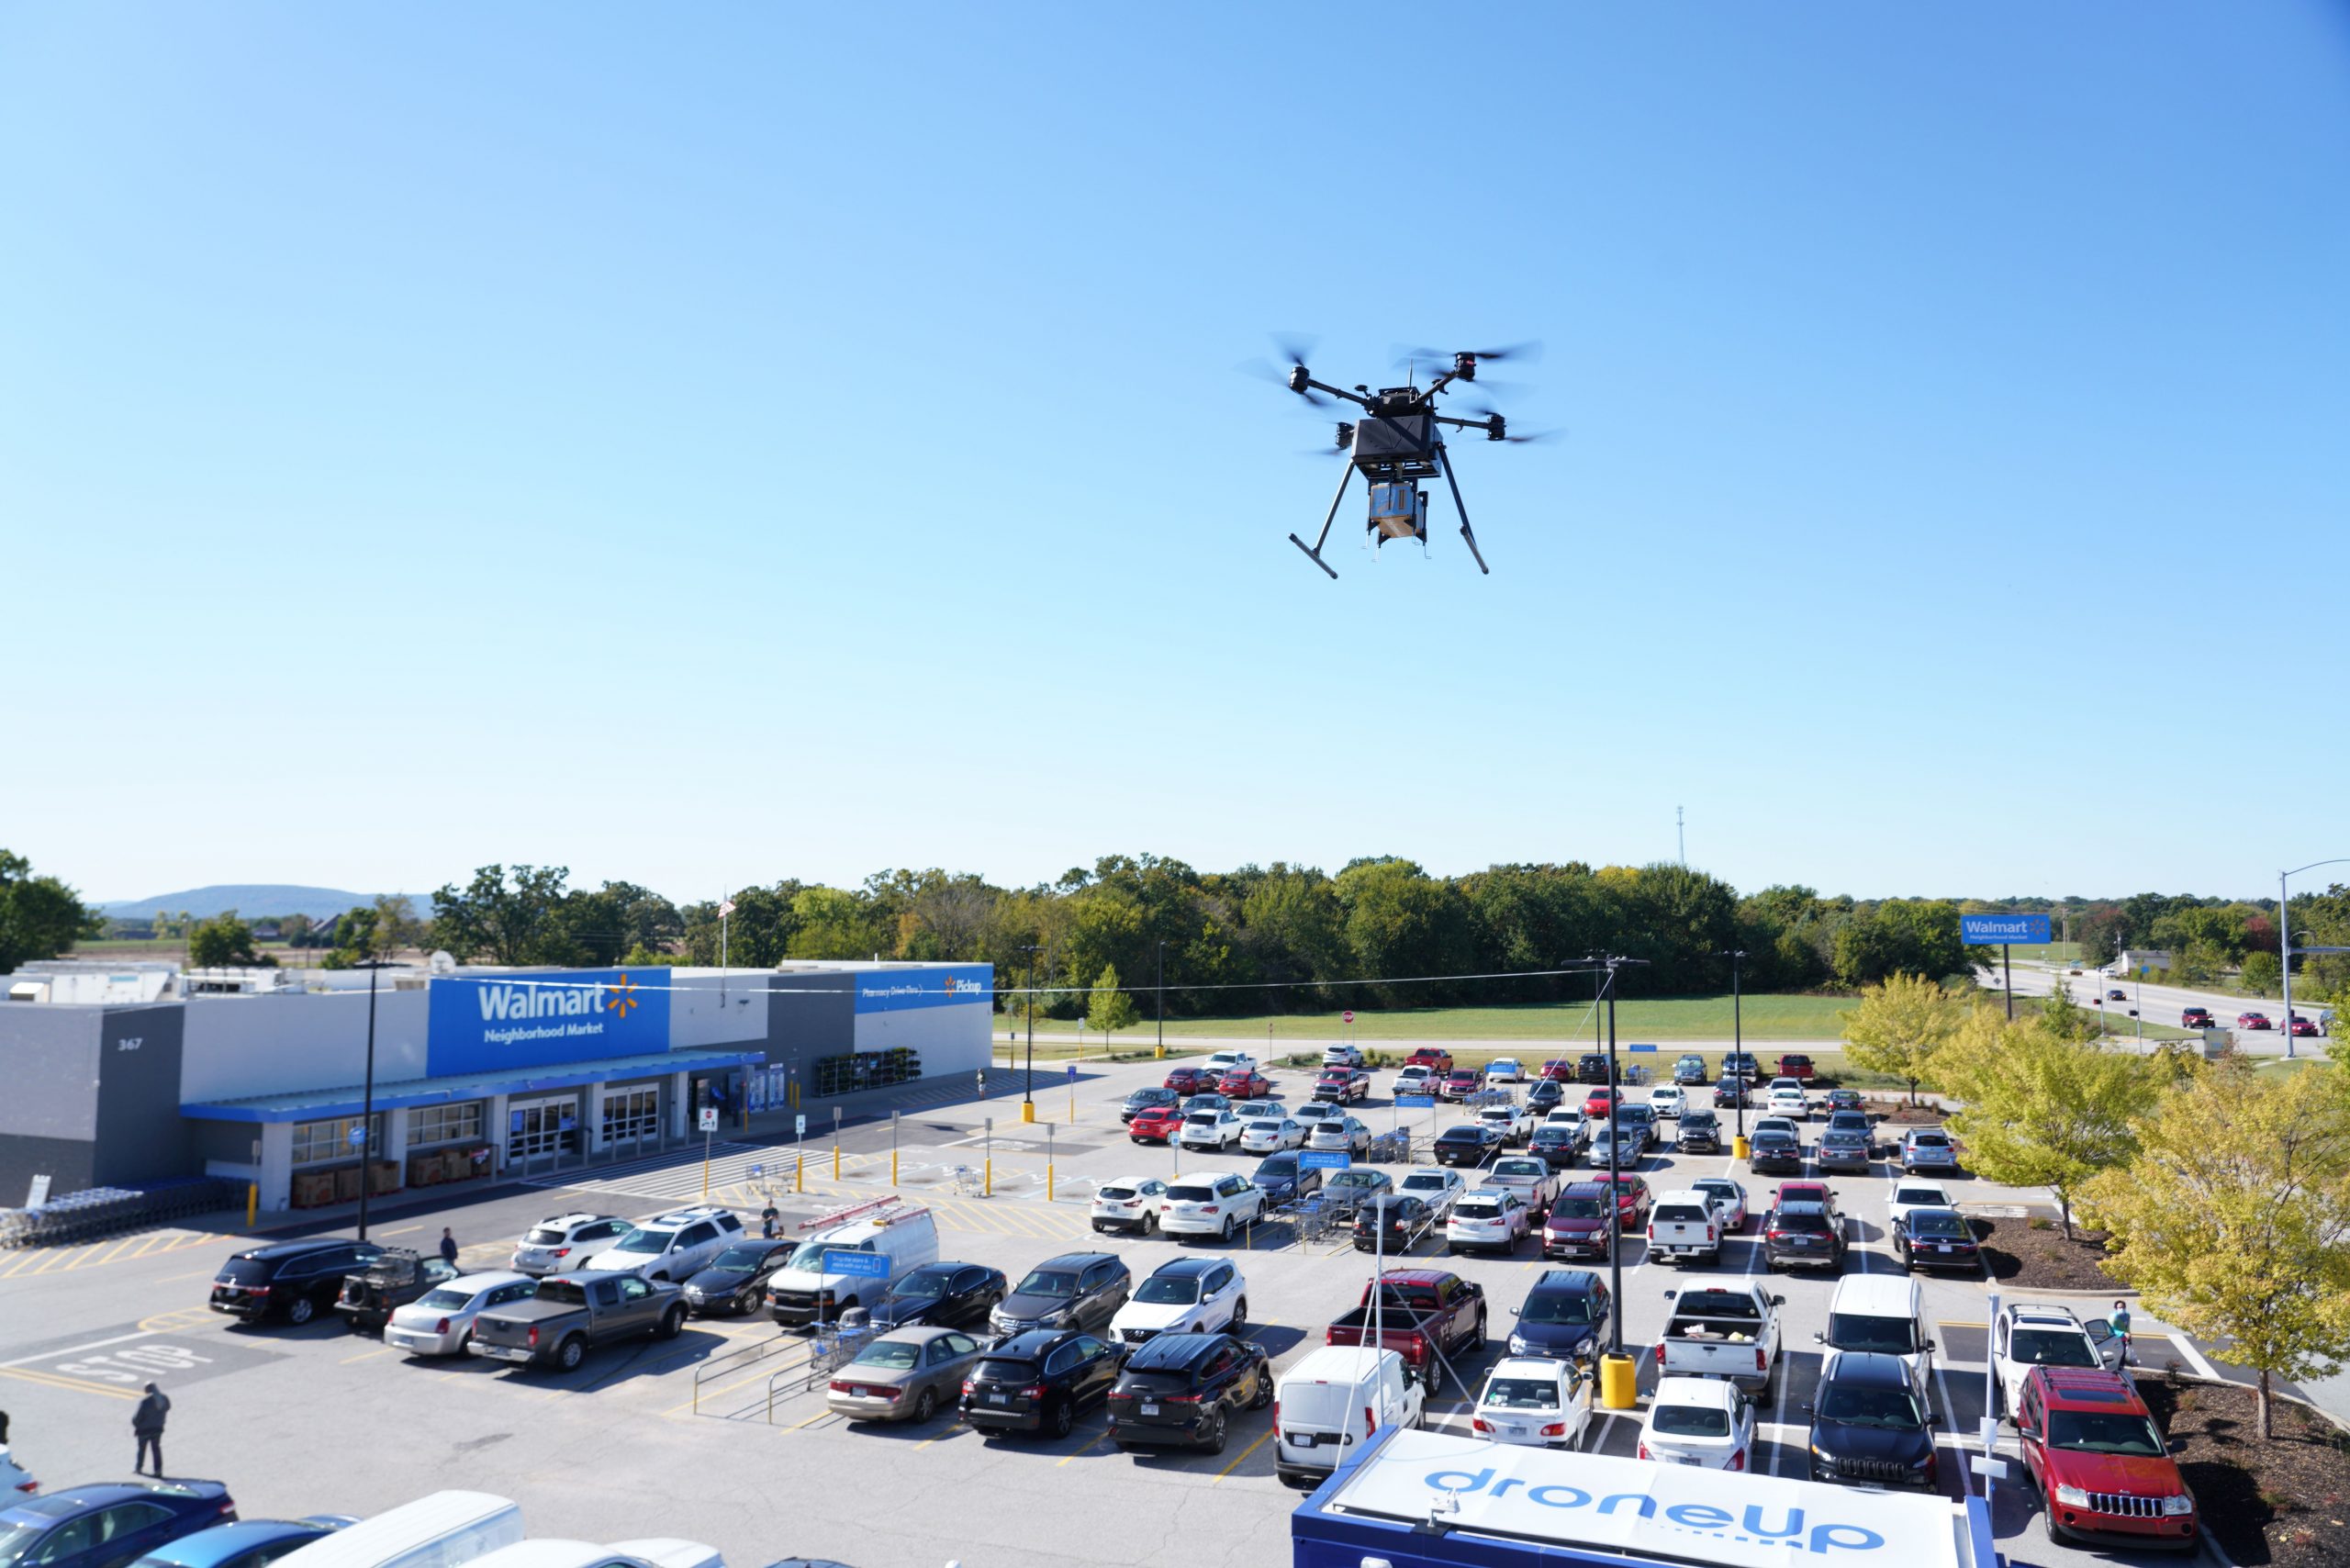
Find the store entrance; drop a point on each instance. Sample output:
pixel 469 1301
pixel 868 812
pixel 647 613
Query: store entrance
pixel 631 1122
pixel 541 1134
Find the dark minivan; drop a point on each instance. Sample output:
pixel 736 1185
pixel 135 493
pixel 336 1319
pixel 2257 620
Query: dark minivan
pixel 297 1279
pixel 1185 1388
pixel 1563 1316
pixel 1034 1382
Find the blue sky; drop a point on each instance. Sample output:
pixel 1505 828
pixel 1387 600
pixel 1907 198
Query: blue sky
pixel 709 446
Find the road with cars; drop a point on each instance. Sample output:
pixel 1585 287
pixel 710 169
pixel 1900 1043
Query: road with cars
pixel 317 1418
pixel 2164 1004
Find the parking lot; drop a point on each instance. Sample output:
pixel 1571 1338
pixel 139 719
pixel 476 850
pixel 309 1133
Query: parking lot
pixel 717 1436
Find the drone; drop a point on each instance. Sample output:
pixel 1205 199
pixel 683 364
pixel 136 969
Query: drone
pixel 1399 441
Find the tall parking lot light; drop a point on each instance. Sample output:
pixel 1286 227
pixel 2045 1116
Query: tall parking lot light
pixel 367 1103
pixel 1028 1094
pixel 2285 943
pixel 1737 1040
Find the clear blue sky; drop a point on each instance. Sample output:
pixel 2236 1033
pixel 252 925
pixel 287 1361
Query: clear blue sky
pixel 752 441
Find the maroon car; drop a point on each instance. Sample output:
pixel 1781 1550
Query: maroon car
pixel 2304 1027
pixel 1244 1083
pixel 1186 1081
pixel 1458 1085
pixel 2252 1020
pixel 1796 1066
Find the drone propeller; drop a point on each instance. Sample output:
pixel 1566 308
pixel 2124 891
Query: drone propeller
pixel 1294 349
pixel 1526 353
pixel 1499 425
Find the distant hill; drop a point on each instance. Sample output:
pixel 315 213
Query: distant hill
pixel 251 899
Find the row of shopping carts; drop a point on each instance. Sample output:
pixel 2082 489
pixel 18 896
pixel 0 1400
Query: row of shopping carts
pixel 96 1213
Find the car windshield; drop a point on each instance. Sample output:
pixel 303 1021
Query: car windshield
pixel 893 1355
pixel 17 1540
pixel 1933 1222
pixel 1801 1222
pixel 2049 1347
pixel 1697 1119
pixel 1520 1168
pixel 1114 1191
pixel 644 1241
pixel 244 1271
pixel 1773 1138
pixel 1858 1406
pixel 1169 1290
pixel 923 1284
pixel 1202 1118
pixel 1315 1112
pixel 1933 1197
pixel 1857 1331
pixel 1277 1165
pixel 1355 1178
pixel 1576 1208
pixel 1556 1307
pixel 1689 1421
pixel 445 1300
pixel 740 1260
pixel 1049 1281
pixel 1522 1394
pixel 2104 1431
pixel 1928 1140
pixel 1264 1126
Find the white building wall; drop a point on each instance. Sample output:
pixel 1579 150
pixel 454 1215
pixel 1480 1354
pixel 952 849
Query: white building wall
pixel 951 1040
pixel 237 1047
pixel 714 1008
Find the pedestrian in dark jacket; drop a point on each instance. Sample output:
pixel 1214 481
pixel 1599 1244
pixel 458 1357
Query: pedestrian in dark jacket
pixel 147 1425
pixel 448 1248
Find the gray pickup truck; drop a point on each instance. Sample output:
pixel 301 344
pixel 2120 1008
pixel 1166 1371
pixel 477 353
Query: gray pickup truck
pixel 571 1313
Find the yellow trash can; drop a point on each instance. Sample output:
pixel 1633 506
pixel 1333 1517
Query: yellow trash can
pixel 1620 1381
pixel 1739 1149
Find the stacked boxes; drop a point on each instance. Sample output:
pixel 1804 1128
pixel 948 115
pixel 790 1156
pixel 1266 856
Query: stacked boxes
pixel 424 1170
pixel 313 1189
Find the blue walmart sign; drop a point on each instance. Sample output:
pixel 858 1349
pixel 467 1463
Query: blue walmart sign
pixel 951 985
pixel 1993 930
pixel 484 1023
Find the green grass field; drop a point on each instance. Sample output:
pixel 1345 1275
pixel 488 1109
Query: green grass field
pixel 1648 1019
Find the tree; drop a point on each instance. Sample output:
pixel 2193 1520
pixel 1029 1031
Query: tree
pixel 834 922
pixel 2043 1111
pixel 2261 967
pixel 223 942
pixel 396 926
pixel 2234 1220
pixel 1899 1026
pixel 1110 1009
pixel 507 921
pixel 2063 1017
pixel 40 917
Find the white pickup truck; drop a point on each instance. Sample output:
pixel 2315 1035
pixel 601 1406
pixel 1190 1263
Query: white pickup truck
pixel 1684 1227
pixel 1725 1331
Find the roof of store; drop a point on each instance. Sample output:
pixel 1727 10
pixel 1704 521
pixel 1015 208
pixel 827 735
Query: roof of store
pixel 316 1104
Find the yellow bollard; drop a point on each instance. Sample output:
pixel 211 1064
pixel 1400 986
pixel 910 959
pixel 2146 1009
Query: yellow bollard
pixel 1028 1110
pixel 1739 1149
pixel 1620 1381
pixel 836 1163
pixel 253 1203
pixel 800 1176
pixel 1048 1184
pixel 987 1187
pixel 893 1167
pixel 1162 1053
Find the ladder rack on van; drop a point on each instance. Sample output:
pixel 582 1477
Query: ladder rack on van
pixel 879 1211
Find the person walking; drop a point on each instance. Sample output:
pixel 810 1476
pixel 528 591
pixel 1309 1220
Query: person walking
pixel 2120 1321
pixel 147 1425
pixel 448 1248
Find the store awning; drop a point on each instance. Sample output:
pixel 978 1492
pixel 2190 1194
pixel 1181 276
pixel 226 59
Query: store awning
pixel 319 1104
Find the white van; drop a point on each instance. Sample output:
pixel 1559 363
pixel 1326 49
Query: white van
pixel 660 1551
pixel 1332 1400
pixel 800 1291
pixel 445 1529
pixel 1882 1311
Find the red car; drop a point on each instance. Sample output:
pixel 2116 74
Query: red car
pixel 1631 1200
pixel 1342 1085
pixel 1458 1085
pixel 1245 1083
pixel 2297 1024
pixel 1156 1124
pixel 1599 1104
pixel 1428 1057
pixel 1186 1081
pixel 1795 1066
pixel 2104 1474
pixel 2252 1020
pixel 1559 1069
pixel 2194 1018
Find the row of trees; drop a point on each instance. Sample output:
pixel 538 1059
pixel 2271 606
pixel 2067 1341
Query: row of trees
pixel 2224 1189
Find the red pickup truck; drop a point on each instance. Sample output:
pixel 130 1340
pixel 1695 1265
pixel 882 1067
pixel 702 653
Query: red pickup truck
pixel 1437 1061
pixel 1423 1314
pixel 1796 1066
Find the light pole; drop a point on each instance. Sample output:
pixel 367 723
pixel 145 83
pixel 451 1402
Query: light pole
pixel 367 1103
pixel 2285 941
pixel 1615 1124
pixel 1028 1094
pixel 1737 1036
pixel 1163 999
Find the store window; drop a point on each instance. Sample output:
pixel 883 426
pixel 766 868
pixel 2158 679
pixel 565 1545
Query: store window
pixel 632 1115
pixel 322 1143
pixel 444 1123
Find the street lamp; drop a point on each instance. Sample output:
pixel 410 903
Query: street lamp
pixel 2285 940
pixel 367 1103
pixel 1736 1030
pixel 1615 1124
pixel 1028 1095
pixel 1162 999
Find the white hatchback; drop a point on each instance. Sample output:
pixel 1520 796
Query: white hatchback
pixel 1535 1402
pixel 1339 1135
pixel 1271 1134
pixel 1667 1099
pixel 1703 1421
pixel 1786 1098
pixel 1128 1202
pixel 1210 1129
pixel 1492 1219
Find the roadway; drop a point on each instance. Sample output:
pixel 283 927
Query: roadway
pixel 2163 1003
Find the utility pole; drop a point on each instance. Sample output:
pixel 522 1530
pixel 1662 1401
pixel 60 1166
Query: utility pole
pixel 367 1106
pixel 1681 836
pixel 1737 1042
pixel 1162 999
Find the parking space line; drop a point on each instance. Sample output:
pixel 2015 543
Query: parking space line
pixel 192 1275
pixel 52 1381
pixel 1091 1443
pixel 1237 1463
pixel 403 1230
pixel 369 1355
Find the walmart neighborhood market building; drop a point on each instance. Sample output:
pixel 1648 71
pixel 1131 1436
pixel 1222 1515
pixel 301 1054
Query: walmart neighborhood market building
pixel 127 1073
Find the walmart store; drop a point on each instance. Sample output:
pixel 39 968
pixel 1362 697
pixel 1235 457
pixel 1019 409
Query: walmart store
pixel 261 1075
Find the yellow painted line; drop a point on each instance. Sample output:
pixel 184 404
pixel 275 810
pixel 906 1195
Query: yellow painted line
pixel 812 1420
pixel 60 1256
pixel 192 1275
pixel 952 1428
pixel 1946 1323
pixel 1091 1443
pixel 21 1264
pixel 51 1380
pixel 1237 1463
pixel 125 1245
pixel 369 1355
pixel 164 1238
pixel 403 1230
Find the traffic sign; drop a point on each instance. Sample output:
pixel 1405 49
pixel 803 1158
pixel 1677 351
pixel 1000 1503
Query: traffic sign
pixel 708 1119
pixel 1348 1016
pixel 1323 1160
pixel 1414 1101
pixel 856 1265
pixel 1072 1072
pixel 799 1127
pixel 2001 930
pixel 358 1136
pixel 1639 1047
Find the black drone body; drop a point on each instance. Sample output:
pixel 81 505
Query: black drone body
pixel 1398 443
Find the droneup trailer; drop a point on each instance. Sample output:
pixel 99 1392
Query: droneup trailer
pixel 1424 1499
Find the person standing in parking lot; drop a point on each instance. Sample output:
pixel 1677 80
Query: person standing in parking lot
pixel 147 1425
pixel 448 1248
pixel 2120 1321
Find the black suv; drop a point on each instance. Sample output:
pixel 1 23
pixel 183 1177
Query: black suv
pixel 1866 1424
pixel 1803 1235
pixel 1034 1382
pixel 299 1279
pixel 948 1295
pixel 1185 1388
pixel 1076 1290
pixel 1698 1131
pixel 1591 1068
pixel 1472 1143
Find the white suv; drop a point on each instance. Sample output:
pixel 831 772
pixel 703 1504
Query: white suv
pixel 2034 1334
pixel 559 1244
pixel 1210 1204
pixel 1184 1295
pixel 673 1247
pixel 1218 1130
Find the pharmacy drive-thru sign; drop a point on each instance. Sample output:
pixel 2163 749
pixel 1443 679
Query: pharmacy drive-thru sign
pixel 1417 1499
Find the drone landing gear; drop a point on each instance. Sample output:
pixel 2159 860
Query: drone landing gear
pixel 1314 554
pixel 1444 459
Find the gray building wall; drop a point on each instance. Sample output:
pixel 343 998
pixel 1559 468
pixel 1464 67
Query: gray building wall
pixel 238 1046
pixel 821 1022
pixel 49 1111
pixel 140 1132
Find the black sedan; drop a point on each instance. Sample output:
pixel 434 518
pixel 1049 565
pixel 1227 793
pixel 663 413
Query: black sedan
pixel 1144 1099
pixel 1774 1151
pixel 1935 1238
pixel 942 1295
pixel 109 1523
pixel 1283 1182
pixel 1731 1092
pixel 1866 1424
pixel 1472 1143
pixel 1037 1382
pixel 1391 1222
pixel 1186 1389
pixel 735 1282
pixel 1558 1145
pixel 1547 1094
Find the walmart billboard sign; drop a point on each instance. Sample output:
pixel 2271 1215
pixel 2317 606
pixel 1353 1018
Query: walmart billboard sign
pixel 483 1022
pixel 946 985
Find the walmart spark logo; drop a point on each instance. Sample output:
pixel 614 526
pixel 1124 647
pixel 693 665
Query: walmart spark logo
pixel 620 996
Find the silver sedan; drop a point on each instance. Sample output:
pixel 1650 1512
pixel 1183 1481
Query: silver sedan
pixel 904 1375
pixel 439 1322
